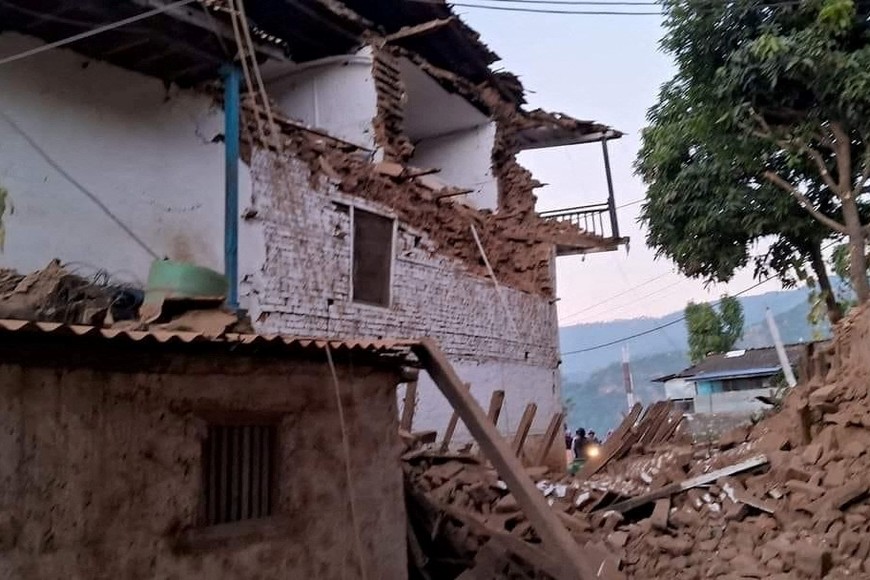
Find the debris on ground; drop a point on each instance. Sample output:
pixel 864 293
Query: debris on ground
pixel 56 294
pixel 788 497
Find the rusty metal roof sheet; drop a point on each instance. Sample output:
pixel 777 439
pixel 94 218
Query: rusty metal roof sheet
pixel 178 338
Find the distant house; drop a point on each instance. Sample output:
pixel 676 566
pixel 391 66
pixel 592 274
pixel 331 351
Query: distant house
pixel 730 382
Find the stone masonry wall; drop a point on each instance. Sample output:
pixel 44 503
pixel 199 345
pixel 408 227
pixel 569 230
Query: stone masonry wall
pixel 303 289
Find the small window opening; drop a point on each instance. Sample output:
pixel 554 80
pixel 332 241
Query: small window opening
pixel 238 472
pixel 372 257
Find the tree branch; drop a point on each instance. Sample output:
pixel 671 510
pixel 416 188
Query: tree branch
pixel 820 163
pixel 844 158
pixel 777 180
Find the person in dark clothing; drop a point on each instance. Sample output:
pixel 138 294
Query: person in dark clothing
pixel 578 445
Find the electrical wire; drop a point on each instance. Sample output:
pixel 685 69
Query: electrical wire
pixel 630 203
pixel 671 323
pixel 550 11
pixel 615 296
pixel 93 32
pixel 54 165
pixel 345 443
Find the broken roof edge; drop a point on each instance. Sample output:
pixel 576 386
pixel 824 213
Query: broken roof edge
pixel 539 129
pixel 235 342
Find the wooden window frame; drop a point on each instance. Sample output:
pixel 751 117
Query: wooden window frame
pixel 391 276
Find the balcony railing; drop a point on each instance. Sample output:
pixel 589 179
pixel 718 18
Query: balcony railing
pixel 594 219
pixel 597 219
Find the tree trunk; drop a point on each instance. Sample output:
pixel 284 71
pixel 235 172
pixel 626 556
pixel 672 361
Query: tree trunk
pixel 857 257
pixel 835 311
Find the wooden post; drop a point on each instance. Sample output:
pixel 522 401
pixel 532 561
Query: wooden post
pixel 451 427
pixel 523 429
pixel 408 407
pixel 571 557
pixel 495 404
pixel 549 437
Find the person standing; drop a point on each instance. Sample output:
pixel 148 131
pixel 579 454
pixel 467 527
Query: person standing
pixel 579 443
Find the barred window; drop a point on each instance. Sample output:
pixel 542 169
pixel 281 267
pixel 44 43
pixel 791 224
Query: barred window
pixel 238 472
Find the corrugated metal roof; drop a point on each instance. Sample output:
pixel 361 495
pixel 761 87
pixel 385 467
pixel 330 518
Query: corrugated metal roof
pixel 178 338
pixel 732 364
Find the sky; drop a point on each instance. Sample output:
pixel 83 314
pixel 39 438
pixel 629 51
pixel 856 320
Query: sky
pixel 607 69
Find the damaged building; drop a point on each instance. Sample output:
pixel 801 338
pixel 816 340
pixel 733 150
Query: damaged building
pixel 354 173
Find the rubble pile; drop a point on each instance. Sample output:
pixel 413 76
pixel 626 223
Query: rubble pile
pixel 803 515
pixel 786 498
pixel 55 294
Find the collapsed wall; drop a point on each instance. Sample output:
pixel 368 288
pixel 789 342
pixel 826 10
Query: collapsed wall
pixel 807 516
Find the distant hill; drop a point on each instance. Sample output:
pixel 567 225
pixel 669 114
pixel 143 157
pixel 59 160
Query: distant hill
pixel 592 383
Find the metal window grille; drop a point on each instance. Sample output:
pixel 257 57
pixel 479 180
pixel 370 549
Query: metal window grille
pixel 238 462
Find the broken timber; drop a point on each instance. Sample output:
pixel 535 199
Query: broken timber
pixel 523 429
pixel 557 540
pixel 553 429
pixel 674 488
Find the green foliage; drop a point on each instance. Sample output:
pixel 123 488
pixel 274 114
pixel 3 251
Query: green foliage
pixel 711 331
pixel 759 85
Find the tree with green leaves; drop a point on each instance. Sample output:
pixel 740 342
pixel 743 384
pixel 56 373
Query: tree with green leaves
pixel 713 332
pixel 760 137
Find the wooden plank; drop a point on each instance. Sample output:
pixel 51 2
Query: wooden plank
pixel 523 428
pixel 451 427
pixel 703 479
pixel 553 429
pixel 408 407
pixel 613 444
pixel 568 555
pixel 448 432
pixel 495 403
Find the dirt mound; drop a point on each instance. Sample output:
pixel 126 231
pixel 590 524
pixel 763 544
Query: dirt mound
pixel 806 515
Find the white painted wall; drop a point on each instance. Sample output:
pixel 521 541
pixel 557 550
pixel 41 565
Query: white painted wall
pixel 522 383
pixel 336 95
pixel 451 134
pixel 145 153
pixel 465 159
pixel 732 401
pixel 679 389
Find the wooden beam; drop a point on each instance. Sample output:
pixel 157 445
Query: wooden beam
pixel 568 555
pixel 673 488
pixel 408 406
pixel 553 429
pixel 612 445
pixel 523 428
pixel 418 29
pixel 451 427
pixel 495 403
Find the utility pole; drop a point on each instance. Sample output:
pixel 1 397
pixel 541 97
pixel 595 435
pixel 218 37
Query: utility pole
pixel 626 377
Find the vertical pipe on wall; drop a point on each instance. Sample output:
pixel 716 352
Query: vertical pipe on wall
pixel 232 81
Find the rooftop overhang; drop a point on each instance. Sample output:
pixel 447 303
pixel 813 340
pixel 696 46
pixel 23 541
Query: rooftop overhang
pixel 185 45
pixel 540 129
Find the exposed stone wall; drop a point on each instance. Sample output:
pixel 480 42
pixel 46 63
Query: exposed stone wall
pixel 304 288
pixel 100 471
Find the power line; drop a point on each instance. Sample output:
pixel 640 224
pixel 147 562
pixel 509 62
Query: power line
pixel 671 323
pixel 93 32
pixel 615 296
pixel 661 326
pixel 630 203
pixel 51 162
pixel 580 2
pixel 549 11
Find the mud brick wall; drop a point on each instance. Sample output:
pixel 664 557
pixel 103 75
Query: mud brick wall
pixel 100 470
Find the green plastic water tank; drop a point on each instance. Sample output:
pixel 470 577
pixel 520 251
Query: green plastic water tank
pixel 168 280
